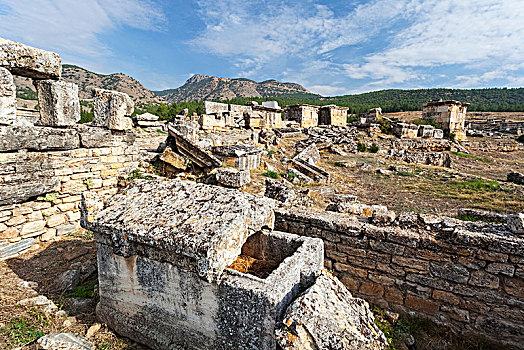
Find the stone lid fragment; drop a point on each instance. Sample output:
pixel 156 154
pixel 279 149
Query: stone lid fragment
pixel 327 316
pixel 207 225
pixel 28 61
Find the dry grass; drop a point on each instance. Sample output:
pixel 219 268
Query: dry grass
pixel 255 267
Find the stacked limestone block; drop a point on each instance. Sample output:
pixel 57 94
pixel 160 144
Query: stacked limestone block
pixel 7 97
pixel 58 101
pixel 111 109
pixel 40 189
pixel 468 276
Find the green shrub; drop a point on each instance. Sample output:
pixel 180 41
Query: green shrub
pixel 373 148
pixel 271 174
pixel 270 152
pixel 385 125
pixel 291 175
pixel 361 147
pixel 351 119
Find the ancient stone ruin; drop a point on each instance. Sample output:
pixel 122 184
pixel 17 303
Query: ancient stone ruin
pixel 449 115
pixel 194 266
pixel 47 162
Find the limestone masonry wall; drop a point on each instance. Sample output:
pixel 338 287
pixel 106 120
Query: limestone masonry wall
pixel 468 276
pixel 42 178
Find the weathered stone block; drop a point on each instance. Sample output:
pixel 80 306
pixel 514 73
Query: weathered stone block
pixel 515 223
pixel 7 97
pixel 231 177
pixel 484 279
pixel 419 304
pixel 110 109
pixel 58 102
pixel 371 289
pixel 327 316
pixel 29 61
pixel 37 138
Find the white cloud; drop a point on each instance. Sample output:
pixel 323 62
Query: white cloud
pixel 73 27
pixel 414 40
pixel 327 90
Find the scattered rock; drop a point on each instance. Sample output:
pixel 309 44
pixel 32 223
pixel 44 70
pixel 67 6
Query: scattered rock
pixel 40 300
pixel 28 284
pixel 67 281
pixel 77 306
pixel 279 191
pixel 64 341
pixel 516 178
pixel 93 330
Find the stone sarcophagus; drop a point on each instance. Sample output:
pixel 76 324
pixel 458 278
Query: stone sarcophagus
pixel 184 265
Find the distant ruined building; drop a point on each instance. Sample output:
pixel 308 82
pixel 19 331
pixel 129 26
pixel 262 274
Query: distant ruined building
pixel 449 115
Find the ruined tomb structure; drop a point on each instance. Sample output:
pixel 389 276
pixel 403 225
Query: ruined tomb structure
pixel 305 115
pixel 449 115
pixel 184 265
pixel 333 115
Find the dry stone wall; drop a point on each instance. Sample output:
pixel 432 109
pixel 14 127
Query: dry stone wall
pixel 467 276
pixel 43 172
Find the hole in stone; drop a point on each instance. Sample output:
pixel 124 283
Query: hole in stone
pixel 263 253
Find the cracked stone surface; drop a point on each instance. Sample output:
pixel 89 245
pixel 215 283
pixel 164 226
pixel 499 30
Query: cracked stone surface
pixel 206 224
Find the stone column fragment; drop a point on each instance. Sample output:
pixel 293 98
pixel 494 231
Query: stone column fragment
pixel 110 109
pixel 7 97
pixel 58 101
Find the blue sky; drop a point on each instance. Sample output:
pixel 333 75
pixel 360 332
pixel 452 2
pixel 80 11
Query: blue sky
pixel 330 47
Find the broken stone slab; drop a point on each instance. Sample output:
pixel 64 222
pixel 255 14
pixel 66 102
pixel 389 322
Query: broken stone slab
pixel 7 97
pixel 184 128
pixel 147 117
pixel 231 177
pixel 58 102
pixel 28 61
pixel 67 281
pixel 93 137
pixel 279 191
pixel 483 215
pixel 316 173
pixel 69 341
pixel 37 138
pixel 293 173
pixel 28 186
pixel 310 154
pixel 327 316
pixel 15 249
pixel 157 213
pixel 174 159
pixel 111 108
pixel 515 223
pixel 187 148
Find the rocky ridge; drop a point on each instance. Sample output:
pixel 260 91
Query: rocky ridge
pixel 205 87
